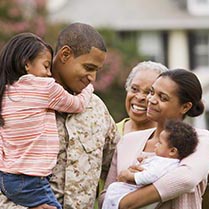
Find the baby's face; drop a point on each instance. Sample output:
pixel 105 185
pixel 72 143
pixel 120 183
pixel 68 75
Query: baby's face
pixel 162 148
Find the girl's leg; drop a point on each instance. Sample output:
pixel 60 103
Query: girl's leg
pixel 28 191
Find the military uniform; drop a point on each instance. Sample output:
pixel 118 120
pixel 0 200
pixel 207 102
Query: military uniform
pixel 87 143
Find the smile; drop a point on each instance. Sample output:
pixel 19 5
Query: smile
pixel 149 109
pixel 136 107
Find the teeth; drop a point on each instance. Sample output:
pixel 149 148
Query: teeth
pixel 138 108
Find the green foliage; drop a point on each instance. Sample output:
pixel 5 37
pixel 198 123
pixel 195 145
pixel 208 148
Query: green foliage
pixel 125 56
pixel 114 98
pixel 21 16
pixel 52 32
pixel 123 42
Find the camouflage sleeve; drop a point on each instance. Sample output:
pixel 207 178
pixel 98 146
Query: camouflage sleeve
pixel 7 204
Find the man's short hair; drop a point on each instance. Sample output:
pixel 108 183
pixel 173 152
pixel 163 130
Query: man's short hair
pixel 80 38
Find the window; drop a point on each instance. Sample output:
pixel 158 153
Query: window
pixel 151 46
pixel 201 49
pixel 198 7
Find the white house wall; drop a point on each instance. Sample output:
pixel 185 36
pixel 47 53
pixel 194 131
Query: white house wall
pixel 178 53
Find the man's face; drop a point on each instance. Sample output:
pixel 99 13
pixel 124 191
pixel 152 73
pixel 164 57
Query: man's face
pixel 77 72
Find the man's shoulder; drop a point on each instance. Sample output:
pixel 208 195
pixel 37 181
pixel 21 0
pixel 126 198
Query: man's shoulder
pixel 95 99
pixel 97 104
pixel 96 110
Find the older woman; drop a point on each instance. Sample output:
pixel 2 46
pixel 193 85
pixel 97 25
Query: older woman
pixel 137 86
pixel 174 95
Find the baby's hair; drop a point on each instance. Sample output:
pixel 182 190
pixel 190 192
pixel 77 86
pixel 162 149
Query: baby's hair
pixel 20 49
pixel 181 136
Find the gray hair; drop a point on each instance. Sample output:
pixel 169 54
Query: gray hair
pixel 143 66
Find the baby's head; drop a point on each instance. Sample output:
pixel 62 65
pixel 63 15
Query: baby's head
pixel 177 140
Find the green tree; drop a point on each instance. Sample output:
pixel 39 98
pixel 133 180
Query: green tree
pixel 18 16
pixel 122 56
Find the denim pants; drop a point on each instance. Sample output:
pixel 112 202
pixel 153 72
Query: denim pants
pixel 28 191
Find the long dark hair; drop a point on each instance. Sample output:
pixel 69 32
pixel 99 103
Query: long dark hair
pixel 189 89
pixel 19 49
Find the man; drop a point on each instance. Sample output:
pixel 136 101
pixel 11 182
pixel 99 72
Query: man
pixel 88 139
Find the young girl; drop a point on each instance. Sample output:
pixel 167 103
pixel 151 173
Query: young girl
pixel 29 140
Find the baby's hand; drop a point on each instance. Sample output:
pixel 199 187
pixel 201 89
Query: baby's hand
pixel 140 159
pixel 126 176
pixel 135 168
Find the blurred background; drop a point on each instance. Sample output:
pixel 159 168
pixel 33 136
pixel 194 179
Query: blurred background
pixel 173 32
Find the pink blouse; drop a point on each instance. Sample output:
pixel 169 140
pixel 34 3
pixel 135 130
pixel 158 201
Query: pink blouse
pixel 180 189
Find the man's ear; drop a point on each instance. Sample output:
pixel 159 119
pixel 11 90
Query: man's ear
pixel 65 53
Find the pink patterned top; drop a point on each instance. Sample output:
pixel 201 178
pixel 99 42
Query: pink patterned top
pixel 29 141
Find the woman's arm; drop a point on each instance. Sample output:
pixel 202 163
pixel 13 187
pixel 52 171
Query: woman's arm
pixel 192 171
pixel 139 198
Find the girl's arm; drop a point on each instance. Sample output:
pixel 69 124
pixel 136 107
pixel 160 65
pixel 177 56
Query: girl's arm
pixel 61 100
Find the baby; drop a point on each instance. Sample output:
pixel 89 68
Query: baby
pixel 177 141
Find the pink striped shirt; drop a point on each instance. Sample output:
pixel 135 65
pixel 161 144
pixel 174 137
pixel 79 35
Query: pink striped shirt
pixel 29 141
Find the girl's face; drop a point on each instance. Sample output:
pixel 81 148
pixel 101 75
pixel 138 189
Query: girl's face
pixel 41 65
pixel 136 104
pixel 163 102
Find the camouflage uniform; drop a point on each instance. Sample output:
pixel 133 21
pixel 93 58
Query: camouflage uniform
pixel 88 140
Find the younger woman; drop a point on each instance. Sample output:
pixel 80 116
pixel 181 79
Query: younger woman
pixel 174 95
